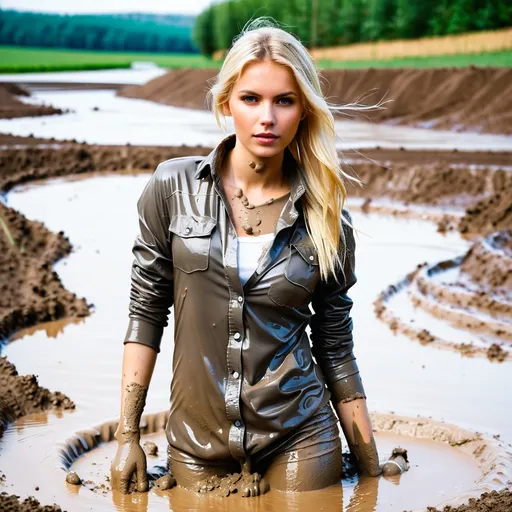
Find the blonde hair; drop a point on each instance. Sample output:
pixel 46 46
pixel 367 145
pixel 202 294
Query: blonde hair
pixel 314 145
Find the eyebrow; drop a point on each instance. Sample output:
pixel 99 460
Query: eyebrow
pixel 289 93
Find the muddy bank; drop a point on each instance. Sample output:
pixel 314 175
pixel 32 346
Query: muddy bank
pixel 494 501
pixel 475 183
pixel 11 107
pixel 12 503
pixel 460 99
pixel 480 193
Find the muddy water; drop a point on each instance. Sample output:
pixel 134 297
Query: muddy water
pixel 83 359
pixel 100 117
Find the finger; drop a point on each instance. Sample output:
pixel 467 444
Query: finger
pixel 124 485
pixel 142 478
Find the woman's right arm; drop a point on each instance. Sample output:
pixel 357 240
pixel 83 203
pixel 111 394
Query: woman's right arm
pixel 130 460
pixel 151 297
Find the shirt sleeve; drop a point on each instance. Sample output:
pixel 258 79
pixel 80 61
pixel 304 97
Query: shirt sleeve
pixel 151 293
pixel 331 327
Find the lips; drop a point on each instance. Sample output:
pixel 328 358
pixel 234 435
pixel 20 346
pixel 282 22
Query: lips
pixel 266 136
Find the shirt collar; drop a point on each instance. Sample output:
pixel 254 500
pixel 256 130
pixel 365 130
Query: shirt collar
pixel 214 158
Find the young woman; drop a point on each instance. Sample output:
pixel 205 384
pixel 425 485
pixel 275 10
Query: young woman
pixel 241 243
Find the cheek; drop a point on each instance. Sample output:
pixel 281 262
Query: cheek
pixel 291 117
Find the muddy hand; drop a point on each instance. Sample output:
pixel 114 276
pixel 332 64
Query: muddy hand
pixel 128 469
pixel 252 483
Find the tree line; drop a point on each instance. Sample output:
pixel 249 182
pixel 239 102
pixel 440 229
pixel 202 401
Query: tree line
pixel 124 32
pixel 319 23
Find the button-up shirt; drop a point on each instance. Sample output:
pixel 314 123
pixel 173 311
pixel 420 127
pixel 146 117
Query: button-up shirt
pixel 245 372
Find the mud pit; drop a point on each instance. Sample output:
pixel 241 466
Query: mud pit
pixel 415 194
pixel 101 330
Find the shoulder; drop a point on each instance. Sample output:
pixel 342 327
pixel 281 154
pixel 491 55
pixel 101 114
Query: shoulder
pixel 170 175
pixel 174 167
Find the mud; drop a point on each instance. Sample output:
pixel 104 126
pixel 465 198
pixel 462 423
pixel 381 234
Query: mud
pixel 472 292
pixel 475 99
pixel 494 501
pixel 32 292
pixel 11 107
pixel 490 454
pixel 12 503
pixel 243 483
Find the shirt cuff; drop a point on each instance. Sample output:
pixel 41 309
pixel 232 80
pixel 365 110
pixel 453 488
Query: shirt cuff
pixel 144 332
pixel 344 381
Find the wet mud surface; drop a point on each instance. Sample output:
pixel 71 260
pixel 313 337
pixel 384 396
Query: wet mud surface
pixel 475 99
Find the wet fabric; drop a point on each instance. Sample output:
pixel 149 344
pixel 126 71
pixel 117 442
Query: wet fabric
pixel 317 438
pixel 244 376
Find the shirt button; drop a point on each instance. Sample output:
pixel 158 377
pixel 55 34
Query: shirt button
pixel 312 258
pixel 187 231
pixel 236 375
pixel 238 424
pixel 236 335
pixel 240 298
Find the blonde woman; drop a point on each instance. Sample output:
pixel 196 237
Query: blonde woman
pixel 241 243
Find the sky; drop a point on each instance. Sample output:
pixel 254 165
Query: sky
pixel 108 6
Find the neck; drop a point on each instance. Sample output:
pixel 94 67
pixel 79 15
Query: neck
pixel 248 171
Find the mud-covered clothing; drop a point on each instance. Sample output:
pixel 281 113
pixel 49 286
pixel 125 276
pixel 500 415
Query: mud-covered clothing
pixel 244 377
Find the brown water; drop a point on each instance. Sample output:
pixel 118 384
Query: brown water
pixel 83 359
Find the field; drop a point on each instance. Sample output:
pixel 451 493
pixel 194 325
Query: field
pixel 21 60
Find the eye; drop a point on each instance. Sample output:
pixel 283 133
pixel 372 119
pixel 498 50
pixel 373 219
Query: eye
pixel 288 101
pixel 248 98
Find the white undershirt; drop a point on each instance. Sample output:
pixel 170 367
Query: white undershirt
pixel 249 252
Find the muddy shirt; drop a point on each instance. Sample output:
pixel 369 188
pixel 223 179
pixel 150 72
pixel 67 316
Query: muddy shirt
pixel 244 377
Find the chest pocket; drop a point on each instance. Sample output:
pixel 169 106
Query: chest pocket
pixel 190 237
pixel 301 274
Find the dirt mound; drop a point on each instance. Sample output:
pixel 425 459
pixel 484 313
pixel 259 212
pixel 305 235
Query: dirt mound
pixel 22 395
pixel 482 194
pixel 11 106
pixel 12 503
pixel 31 290
pixel 494 501
pixel 475 99
pixel 180 88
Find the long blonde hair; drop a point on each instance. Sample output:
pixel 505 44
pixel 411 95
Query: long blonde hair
pixel 314 145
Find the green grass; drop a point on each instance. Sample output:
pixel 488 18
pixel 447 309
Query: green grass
pixel 495 59
pixel 15 59
pixel 20 60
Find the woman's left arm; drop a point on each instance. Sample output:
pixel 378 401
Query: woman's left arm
pixel 331 336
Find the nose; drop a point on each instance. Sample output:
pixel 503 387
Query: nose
pixel 267 114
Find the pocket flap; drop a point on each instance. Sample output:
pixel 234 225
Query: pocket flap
pixel 308 252
pixel 188 226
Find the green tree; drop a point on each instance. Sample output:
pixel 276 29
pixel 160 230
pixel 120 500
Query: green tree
pixel 352 16
pixel 380 22
pixel 203 32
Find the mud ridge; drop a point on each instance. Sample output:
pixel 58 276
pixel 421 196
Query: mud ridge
pixel 12 107
pixel 479 194
pixel 460 99
pixel 470 292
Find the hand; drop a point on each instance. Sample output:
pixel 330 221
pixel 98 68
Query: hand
pixel 128 469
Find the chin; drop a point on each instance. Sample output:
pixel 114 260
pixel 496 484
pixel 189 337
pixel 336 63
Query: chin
pixel 265 152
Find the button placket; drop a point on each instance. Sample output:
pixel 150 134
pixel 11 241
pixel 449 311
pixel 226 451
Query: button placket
pixel 235 341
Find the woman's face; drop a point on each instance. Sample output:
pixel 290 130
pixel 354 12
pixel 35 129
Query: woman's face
pixel 265 99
